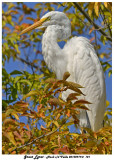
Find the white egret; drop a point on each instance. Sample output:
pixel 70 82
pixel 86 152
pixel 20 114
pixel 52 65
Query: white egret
pixel 79 58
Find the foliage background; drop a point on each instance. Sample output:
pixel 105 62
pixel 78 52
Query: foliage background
pixel 35 120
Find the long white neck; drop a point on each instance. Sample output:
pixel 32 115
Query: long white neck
pixel 53 54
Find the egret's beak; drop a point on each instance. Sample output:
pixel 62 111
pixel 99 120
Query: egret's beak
pixel 33 26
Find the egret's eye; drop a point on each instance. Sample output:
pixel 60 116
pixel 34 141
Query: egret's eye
pixel 47 19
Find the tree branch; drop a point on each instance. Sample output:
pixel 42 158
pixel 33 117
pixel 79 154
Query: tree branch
pixel 90 20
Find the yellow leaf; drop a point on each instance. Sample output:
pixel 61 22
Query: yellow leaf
pixel 10 136
pixel 90 12
pixel 96 7
pixel 48 124
pixel 56 123
pixel 51 80
pixel 90 8
pixel 35 61
pixel 3 116
pixel 107 103
pixel 69 83
pixel 66 75
pixel 74 135
pixel 15 115
pixel 58 115
pixel 9 18
pixel 106 4
pixel 90 144
pixel 8 112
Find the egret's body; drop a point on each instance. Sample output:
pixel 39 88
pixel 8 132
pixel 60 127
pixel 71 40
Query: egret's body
pixel 79 58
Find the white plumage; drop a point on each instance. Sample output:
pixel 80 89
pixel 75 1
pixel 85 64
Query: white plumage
pixel 79 58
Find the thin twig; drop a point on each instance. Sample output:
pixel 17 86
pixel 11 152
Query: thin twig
pixel 42 136
pixel 90 20
pixel 28 63
pixel 108 60
pixel 105 21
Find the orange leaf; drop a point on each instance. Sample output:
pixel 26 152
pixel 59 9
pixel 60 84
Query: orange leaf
pixel 9 121
pixel 91 30
pixel 27 126
pixel 42 115
pixel 54 101
pixel 19 136
pixel 107 143
pixel 23 151
pixel 30 18
pixel 39 107
pixel 43 128
pixel 65 149
pixel 7 28
pixel 14 152
pixel 72 96
pixel 21 18
pixel 68 113
pixel 22 104
pixel 25 25
pixel 28 134
pixel 59 141
pixel 92 39
pixel 56 151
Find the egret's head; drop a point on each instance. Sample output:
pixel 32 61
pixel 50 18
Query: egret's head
pixel 55 18
pixel 51 18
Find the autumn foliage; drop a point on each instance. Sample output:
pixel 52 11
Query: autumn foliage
pixel 35 118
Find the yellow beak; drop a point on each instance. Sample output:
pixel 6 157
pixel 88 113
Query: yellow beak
pixel 33 26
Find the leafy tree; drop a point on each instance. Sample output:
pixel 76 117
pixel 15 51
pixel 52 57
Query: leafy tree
pixel 33 94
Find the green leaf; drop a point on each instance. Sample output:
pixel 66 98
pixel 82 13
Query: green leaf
pixel 9 111
pixel 31 93
pixel 16 72
pixel 25 81
pixel 4 72
pixel 17 49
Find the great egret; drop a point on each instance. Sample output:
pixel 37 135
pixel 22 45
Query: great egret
pixel 79 58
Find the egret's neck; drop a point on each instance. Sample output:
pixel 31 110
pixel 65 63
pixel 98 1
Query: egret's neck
pixel 53 54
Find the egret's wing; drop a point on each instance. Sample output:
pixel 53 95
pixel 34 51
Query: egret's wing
pixel 87 71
